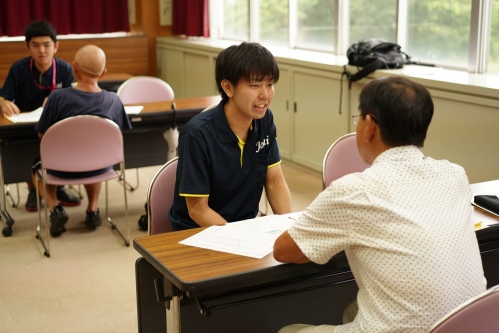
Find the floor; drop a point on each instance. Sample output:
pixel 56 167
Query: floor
pixel 88 283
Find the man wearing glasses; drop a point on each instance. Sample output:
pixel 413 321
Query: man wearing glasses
pixel 29 83
pixel 404 223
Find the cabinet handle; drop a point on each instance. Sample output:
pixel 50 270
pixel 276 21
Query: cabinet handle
pixel 295 107
pixel 287 105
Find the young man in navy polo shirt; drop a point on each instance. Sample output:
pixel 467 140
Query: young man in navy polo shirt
pixel 228 154
pixel 31 80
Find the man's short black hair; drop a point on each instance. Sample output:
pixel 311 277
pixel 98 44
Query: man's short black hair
pixel 402 109
pixel 248 61
pixel 40 28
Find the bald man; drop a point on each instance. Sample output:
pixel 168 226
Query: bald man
pixel 86 98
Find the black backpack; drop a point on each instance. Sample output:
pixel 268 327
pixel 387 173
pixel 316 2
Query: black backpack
pixel 372 54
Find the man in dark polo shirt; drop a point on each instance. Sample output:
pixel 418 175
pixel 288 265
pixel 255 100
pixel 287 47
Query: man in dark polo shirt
pixel 227 155
pixel 29 83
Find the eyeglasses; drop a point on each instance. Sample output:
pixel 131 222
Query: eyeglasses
pixel 356 117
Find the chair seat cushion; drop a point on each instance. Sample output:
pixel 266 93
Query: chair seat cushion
pixel 108 175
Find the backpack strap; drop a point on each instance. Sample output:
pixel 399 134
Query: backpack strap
pixel 365 71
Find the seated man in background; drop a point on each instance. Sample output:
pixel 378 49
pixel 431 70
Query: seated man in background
pixel 86 98
pixel 229 153
pixel 29 83
pixel 404 223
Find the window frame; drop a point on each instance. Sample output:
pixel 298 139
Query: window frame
pixel 479 40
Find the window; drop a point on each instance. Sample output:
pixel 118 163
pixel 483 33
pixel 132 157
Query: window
pixel 494 39
pixel 236 20
pixel 439 31
pixel 316 26
pixel 373 19
pixel 274 22
pixel 452 34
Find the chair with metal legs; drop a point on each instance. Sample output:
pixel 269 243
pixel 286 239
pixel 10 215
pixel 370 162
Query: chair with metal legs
pixel 144 89
pixel 81 152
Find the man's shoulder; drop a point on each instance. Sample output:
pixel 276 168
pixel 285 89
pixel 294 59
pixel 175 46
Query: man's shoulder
pixel 63 92
pixel 21 64
pixel 200 120
pixel 60 61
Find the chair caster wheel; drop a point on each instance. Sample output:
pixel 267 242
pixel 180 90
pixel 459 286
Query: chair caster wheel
pixel 7 231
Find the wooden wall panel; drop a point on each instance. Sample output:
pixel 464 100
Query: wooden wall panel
pixel 124 54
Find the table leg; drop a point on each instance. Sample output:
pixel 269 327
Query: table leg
pixel 173 316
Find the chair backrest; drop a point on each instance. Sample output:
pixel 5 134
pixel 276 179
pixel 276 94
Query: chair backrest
pixel 143 89
pixel 160 198
pixel 341 159
pixel 479 314
pixel 82 143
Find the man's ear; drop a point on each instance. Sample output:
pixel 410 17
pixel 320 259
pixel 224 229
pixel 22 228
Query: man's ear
pixel 103 73
pixel 56 47
pixel 227 87
pixel 371 128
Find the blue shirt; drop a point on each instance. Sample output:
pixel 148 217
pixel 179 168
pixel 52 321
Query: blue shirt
pixel 69 102
pixel 20 86
pixel 210 164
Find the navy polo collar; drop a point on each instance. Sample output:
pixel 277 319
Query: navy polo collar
pixel 223 130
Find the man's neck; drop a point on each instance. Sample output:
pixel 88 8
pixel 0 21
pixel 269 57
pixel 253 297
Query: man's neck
pixel 43 67
pixel 238 123
pixel 88 85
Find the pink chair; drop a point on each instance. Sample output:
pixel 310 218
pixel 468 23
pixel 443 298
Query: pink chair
pixel 79 144
pixel 341 159
pixel 143 89
pixel 478 315
pixel 160 198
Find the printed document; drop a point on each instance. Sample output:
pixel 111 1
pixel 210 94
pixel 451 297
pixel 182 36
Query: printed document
pixel 26 117
pixel 133 109
pixel 251 238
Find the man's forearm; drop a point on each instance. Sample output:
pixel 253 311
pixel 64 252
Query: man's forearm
pixel 202 214
pixel 279 197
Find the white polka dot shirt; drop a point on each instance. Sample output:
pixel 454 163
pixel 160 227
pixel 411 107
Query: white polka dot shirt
pixel 405 226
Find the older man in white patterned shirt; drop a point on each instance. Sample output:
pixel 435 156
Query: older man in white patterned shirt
pixel 404 223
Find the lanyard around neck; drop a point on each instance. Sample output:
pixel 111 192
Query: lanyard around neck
pixel 52 87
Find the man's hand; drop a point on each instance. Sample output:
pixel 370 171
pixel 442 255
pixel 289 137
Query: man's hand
pixel 8 108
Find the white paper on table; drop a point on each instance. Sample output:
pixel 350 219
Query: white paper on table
pixel 133 109
pixel 251 238
pixel 26 117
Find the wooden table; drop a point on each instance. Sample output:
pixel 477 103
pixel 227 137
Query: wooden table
pixel 206 290
pixel 144 144
pixel 212 291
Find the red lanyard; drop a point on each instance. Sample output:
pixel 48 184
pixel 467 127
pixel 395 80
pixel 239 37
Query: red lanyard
pixel 52 88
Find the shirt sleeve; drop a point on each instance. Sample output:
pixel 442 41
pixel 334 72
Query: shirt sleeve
pixel 193 167
pixel 48 116
pixel 120 118
pixel 324 229
pixel 10 86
